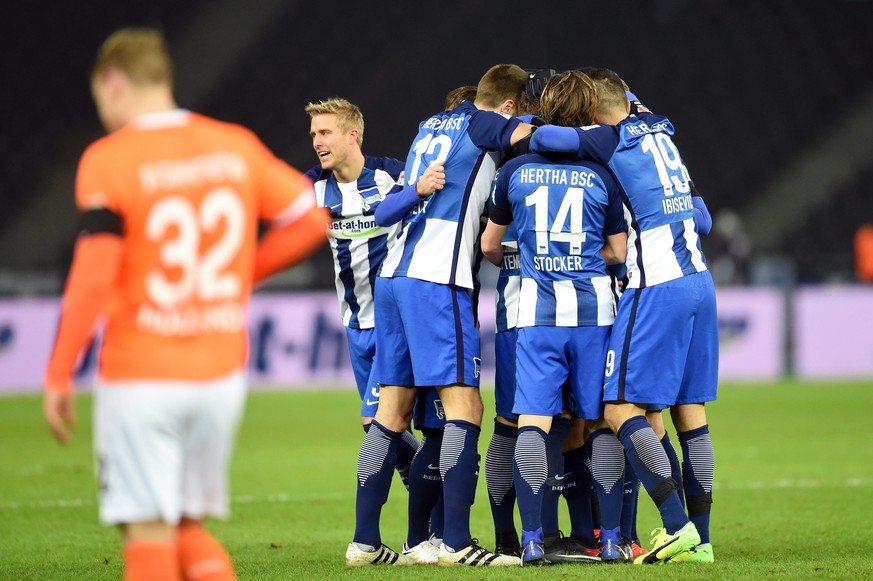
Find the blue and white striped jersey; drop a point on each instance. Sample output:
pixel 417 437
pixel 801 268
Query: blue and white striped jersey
pixel 563 212
pixel 508 283
pixel 663 243
pixel 439 235
pixel 358 245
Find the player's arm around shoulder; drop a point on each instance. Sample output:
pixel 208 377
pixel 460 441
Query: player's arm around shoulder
pixel 615 227
pixel 499 216
pixel 491 237
pixel 397 204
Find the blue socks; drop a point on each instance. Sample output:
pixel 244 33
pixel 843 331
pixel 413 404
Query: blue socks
pixel 629 503
pixel 577 493
pixel 555 480
pixel 530 470
pixel 698 466
pixel 607 466
pixel 675 467
pixel 459 468
pixel 649 460
pixel 376 462
pixel 425 488
pixel 498 475
pixel 405 453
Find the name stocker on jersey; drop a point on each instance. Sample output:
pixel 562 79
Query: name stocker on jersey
pixel 438 237
pixel 663 243
pixel 562 214
pixel 358 245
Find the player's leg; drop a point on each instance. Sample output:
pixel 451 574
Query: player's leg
pixel 699 385
pixel 378 454
pixel 141 461
pixel 697 471
pixel 541 370
pixel 362 352
pixel 555 475
pixel 501 487
pixel 208 444
pixel 578 488
pixel 607 455
pixel 646 336
pixel 498 458
pixel 445 353
pixel 459 461
pixel 409 443
pixel 201 556
pixel 150 551
pixel 607 467
pixel 425 516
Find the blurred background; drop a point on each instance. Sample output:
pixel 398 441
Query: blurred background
pixel 772 102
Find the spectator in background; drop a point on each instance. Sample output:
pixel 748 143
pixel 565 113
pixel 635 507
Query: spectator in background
pixel 730 248
pixel 168 253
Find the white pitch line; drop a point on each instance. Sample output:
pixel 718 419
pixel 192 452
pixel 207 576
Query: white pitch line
pixel 279 498
pixel 282 497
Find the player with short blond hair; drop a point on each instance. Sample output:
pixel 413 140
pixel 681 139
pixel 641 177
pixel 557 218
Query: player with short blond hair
pixel 351 186
pixel 348 116
pixel 167 255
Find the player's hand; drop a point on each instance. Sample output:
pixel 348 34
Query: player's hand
pixel 634 105
pixel 433 179
pixel 59 411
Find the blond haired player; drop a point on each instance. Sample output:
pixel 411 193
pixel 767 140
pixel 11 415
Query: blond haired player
pixel 167 255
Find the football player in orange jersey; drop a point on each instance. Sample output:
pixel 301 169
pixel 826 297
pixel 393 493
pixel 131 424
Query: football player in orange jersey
pixel 167 256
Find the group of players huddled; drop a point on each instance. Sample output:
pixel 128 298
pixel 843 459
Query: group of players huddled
pixel 605 313
pixel 605 317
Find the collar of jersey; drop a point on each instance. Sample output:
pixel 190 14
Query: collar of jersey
pixel 162 119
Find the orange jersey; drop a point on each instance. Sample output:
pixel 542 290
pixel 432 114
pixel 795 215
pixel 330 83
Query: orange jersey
pixel 190 191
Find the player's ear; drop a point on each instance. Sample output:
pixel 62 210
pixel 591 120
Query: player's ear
pixel 508 107
pixel 114 80
pixel 353 136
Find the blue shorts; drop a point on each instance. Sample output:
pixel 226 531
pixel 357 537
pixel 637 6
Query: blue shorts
pixel 664 345
pixel 362 351
pixel 550 356
pixel 428 412
pixel 425 334
pixel 504 377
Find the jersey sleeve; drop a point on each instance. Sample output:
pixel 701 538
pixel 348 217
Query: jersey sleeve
pixel 597 142
pixel 615 221
pixel 285 192
pixel 93 188
pixel 491 131
pixel 500 211
pixel 313 174
pixel 394 167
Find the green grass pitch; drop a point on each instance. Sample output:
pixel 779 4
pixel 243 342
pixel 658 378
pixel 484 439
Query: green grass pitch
pixel 793 492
